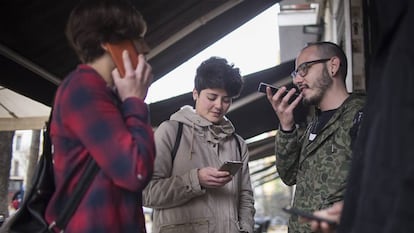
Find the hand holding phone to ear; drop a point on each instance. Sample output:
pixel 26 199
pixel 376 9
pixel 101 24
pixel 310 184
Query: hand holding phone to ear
pixel 116 50
pixel 136 81
pixel 133 75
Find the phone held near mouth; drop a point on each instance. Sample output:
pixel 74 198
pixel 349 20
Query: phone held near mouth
pixel 231 166
pixel 116 49
pixel 263 86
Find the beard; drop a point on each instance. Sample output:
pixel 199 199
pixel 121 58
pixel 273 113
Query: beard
pixel 320 86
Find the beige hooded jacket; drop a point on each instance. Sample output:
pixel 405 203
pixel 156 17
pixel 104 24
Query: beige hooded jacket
pixel 180 204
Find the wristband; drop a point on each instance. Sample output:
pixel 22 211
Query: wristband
pixel 286 131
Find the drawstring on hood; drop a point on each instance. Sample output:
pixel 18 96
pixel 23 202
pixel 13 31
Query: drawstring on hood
pixel 214 133
pixel 192 141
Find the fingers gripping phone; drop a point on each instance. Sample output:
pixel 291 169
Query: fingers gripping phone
pixel 307 215
pixel 116 49
pixel 231 166
pixel 262 88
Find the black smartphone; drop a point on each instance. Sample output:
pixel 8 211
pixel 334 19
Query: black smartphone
pixel 231 166
pixel 307 215
pixel 262 88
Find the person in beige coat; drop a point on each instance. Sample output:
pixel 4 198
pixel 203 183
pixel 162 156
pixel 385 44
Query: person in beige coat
pixel 188 193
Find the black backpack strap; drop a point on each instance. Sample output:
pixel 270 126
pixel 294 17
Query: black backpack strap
pixel 85 181
pixel 177 141
pixel 72 204
pixel 238 145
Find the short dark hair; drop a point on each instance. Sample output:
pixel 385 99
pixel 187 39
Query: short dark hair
pixel 93 22
pixel 328 49
pixel 216 72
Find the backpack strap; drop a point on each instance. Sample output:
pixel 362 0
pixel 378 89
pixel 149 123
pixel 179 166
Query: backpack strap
pixel 238 145
pixel 177 141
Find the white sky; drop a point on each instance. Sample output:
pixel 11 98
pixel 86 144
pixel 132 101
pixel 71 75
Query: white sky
pixel 252 47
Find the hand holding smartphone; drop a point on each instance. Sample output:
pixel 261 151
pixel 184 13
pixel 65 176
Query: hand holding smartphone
pixel 231 166
pixel 116 49
pixel 262 88
pixel 308 215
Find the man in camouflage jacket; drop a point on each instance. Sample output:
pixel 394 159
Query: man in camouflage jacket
pixel 316 161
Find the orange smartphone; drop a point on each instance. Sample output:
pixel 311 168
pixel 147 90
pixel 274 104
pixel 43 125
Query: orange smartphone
pixel 116 49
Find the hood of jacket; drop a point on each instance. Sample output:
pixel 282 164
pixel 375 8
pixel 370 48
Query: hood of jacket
pixel 214 132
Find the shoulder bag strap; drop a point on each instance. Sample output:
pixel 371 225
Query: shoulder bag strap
pixel 73 203
pixel 177 141
pixel 238 146
pixel 86 179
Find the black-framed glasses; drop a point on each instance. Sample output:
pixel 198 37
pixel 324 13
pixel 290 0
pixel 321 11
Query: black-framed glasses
pixel 303 68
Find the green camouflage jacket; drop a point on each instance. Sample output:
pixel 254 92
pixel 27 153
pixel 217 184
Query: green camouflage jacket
pixel 318 168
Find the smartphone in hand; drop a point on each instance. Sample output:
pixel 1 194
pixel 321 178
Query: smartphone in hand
pixel 307 215
pixel 116 49
pixel 231 166
pixel 262 88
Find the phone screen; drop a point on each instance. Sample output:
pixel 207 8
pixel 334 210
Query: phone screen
pixel 116 49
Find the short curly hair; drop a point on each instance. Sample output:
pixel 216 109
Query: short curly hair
pixel 216 72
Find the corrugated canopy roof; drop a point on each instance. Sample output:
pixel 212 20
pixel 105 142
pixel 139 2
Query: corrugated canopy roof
pixel 35 57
